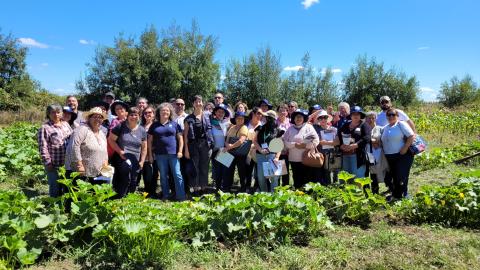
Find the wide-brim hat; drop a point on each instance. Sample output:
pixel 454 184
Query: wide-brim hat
pixel 270 113
pixel 301 112
pixel 266 102
pixel 238 114
pixel 315 107
pixel 69 110
pixel 357 109
pixel 118 102
pixel 222 107
pixel 94 110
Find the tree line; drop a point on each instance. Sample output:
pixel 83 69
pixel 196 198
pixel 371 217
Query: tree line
pixel 177 62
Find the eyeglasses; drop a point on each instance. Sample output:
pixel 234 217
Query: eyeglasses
pixel 97 117
pixel 391 115
pixel 180 104
pixel 218 97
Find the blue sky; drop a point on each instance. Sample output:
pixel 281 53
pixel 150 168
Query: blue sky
pixel 432 39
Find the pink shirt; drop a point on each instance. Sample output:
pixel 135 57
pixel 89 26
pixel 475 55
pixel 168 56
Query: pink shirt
pixel 306 134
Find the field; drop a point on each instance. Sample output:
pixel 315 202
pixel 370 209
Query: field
pixel 340 227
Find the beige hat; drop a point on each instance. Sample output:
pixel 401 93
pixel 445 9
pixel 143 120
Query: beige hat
pixel 270 113
pixel 94 110
pixel 324 113
pixel 384 98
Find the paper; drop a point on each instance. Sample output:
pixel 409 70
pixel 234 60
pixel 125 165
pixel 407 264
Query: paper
pixel 272 169
pixel 224 158
pixel 108 180
pixel 327 136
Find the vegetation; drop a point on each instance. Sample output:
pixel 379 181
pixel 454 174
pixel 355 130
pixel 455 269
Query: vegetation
pixel 459 92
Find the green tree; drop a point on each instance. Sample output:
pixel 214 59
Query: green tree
pixel 458 92
pixel 368 80
pixel 180 63
pixel 326 90
pixel 254 78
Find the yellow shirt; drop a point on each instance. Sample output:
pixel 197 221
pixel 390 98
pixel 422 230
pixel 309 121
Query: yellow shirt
pixel 236 132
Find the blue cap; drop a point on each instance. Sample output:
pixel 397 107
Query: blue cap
pixel 237 114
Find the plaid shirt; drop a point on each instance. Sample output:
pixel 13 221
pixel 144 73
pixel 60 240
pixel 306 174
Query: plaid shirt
pixel 52 140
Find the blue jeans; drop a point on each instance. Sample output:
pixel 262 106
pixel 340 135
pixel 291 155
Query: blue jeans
pixel 54 188
pixel 166 163
pixel 262 181
pixel 349 164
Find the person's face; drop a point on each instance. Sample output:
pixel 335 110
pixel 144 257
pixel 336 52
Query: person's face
pixel 239 120
pixel 219 114
pixel 95 120
pixel 108 99
pixel 385 105
pixel 282 113
pixel 291 108
pixel 218 99
pixel 209 108
pixel 66 116
pixel 104 110
pixel 179 105
pixel 392 117
pixel 148 114
pixel 55 116
pixel 298 120
pixel 371 119
pixel 141 105
pixel 72 102
pixel 258 115
pixel 198 103
pixel 165 113
pixel 322 120
pixel 264 107
pixel 343 110
pixel 355 117
pixel 240 108
pixel 120 111
pixel 133 117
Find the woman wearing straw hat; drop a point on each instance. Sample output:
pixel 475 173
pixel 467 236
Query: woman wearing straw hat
pixel 328 140
pixel 89 145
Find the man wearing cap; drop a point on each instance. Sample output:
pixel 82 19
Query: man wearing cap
pixel 386 104
pixel 72 102
pixel 109 98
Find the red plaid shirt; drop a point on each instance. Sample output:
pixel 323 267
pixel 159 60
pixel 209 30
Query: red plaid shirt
pixel 52 140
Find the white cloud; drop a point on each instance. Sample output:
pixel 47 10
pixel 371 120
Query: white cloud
pixel 87 42
pixel 44 64
pixel 427 90
pixel 295 68
pixel 30 42
pixel 423 48
pixel 308 3
pixel 334 70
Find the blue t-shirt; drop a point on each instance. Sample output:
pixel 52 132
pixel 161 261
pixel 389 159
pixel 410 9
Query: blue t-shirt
pixel 164 137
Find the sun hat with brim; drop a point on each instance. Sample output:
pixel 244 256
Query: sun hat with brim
pixel 118 102
pixel 323 113
pixel 270 113
pixel 238 114
pixel 266 102
pixel 357 109
pixel 301 112
pixel 67 109
pixel 94 110
pixel 222 107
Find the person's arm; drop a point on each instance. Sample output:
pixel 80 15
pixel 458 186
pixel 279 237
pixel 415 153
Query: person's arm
pixel 407 144
pixel 257 146
pixel 79 136
pixel 363 140
pixel 180 145
pixel 286 139
pixel 143 153
pixel 112 141
pixel 315 140
pixel 185 139
pixel 149 148
pixel 43 148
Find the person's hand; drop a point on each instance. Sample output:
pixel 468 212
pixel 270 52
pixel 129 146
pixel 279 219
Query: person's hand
pixel 403 151
pixel 81 169
pixel 228 147
pixel 264 151
pixel 336 117
pixel 122 154
pixel 324 142
pixel 276 160
pixel 50 167
pixel 150 158
pixel 300 145
pixel 353 146
pixel 187 155
pixel 179 155
pixel 345 148
pixel 140 164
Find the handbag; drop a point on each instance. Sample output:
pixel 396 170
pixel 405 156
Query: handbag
pixel 418 145
pixel 243 149
pixel 333 161
pixel 313 158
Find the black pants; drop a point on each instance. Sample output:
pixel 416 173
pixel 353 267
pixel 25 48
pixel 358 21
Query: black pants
pixel 286 178
pixel 199 155
pixel 400 169
pixel 300 173
pixel 240 163
pixel 125 179
pixel 150 176
pixel 249 173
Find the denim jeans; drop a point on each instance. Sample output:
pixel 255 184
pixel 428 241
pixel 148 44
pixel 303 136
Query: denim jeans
pixel 400 170
pixel 54 188
pixel 262 181
pixel 349 164
pixel 166 163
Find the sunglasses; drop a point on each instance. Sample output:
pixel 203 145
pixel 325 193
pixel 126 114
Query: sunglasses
pixel 391 115
pixel 180 104
pixel 323 117
pixel 384 102
pixel 218 97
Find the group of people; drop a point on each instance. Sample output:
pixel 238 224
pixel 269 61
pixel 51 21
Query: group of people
pixel 143 142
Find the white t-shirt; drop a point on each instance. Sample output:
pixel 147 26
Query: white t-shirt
pixel 180 119
pixel 393 137
pixel 383 121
